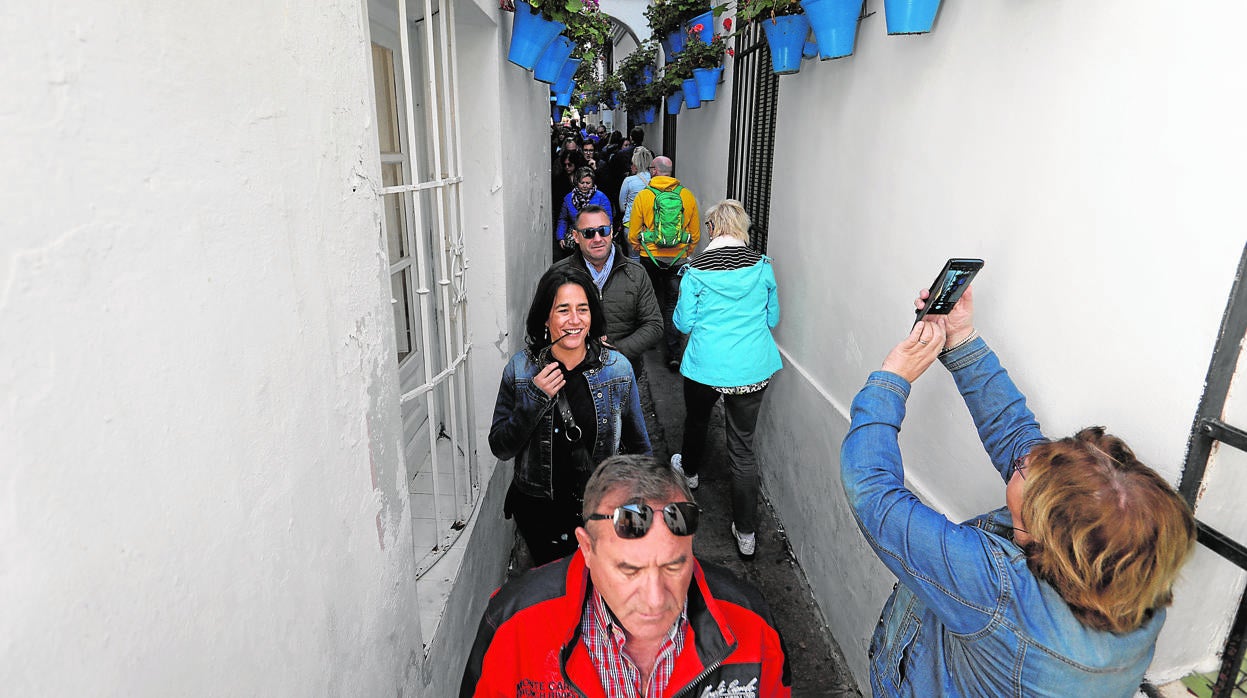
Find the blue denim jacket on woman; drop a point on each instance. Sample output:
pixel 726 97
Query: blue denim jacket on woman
pixel 968 618
pixel 523 424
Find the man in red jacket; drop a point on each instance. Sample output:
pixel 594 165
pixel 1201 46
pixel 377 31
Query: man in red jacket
pixel 632 612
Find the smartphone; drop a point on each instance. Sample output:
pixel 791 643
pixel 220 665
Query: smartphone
pixel 947 288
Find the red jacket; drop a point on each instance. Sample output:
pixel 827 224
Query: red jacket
pixel 529 645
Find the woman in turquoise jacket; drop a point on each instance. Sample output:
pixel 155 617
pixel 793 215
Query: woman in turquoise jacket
pixel 728 305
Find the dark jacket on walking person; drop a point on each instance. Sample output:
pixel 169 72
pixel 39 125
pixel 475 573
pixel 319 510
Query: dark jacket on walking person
pixel 633 318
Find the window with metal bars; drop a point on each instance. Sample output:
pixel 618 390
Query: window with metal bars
pixel 415 89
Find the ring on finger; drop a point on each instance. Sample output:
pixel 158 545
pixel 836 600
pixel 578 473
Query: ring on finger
pixel 924 343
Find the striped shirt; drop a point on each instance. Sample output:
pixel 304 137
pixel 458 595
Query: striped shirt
pixel 604 638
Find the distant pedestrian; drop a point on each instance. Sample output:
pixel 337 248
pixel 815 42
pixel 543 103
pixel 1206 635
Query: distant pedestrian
pixel 585 193
pixel 642 171
pixel 664 229
pixel 728 306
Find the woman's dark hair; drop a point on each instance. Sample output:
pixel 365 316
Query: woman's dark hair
pixel 543 302
pixel 576 157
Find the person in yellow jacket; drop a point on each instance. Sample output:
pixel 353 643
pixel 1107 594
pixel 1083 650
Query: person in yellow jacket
pixel 664 259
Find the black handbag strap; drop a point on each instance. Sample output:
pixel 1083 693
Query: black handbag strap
pixel 569 422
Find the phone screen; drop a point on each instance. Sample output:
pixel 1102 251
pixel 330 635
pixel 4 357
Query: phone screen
pixel 952 281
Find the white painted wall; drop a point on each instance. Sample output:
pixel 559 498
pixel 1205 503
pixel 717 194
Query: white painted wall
pixel 201 490
pixel 201 486
pixel 1090 152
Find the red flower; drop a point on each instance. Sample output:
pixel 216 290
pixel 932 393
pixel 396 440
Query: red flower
pixel 698 27
pixel 727 24
pixel 731 53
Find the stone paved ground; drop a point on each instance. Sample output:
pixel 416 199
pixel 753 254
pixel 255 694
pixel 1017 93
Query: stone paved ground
pixel 819 669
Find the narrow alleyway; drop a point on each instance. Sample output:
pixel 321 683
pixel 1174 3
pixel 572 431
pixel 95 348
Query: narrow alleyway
pixel 818 667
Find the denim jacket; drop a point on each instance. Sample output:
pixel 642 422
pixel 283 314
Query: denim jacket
pixel 523 424
pixel 967 617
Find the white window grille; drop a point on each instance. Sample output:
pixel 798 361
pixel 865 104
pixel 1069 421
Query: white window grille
pixel 416 93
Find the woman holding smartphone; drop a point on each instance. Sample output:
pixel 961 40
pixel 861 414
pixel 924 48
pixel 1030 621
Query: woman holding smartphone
pixel 1062 590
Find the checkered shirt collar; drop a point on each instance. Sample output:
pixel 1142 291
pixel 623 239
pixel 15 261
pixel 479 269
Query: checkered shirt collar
pixel 604 638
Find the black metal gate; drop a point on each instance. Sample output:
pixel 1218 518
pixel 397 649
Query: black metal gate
pixel 1209 429
pixel 751 154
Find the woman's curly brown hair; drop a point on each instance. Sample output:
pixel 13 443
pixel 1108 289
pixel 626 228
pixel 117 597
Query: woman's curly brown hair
pixel 1109 533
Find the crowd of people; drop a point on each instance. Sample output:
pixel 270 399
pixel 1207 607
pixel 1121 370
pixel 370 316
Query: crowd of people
pixel 1063 589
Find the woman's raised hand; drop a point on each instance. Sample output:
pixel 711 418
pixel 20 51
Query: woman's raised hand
pixel 550 380
pixel 959 323
pixel 915 354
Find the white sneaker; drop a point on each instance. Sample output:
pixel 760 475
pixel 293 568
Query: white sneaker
pixel 677 464
pixel 746 543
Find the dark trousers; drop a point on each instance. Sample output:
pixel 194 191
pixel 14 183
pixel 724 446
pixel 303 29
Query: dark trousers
pixel 548 527
pixel 742 418
pixel 666 281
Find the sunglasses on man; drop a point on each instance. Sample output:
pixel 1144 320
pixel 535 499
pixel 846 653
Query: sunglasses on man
pixel 634 519
pixel 590 233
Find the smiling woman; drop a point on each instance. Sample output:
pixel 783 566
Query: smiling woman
pixel 565 403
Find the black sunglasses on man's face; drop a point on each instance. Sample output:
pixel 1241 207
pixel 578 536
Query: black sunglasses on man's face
pixel 590 233
pixel 634 519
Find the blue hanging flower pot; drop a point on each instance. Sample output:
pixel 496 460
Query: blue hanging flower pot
pixel 674 43
pixel 564 99
pixel 551 61
pixel 835 25
pixel 786 37
pixel 692 97
pixel 706 21
pixel 591 109
pixel 647 115
pixel 674 102
pixel 530 35
pixel 565 76
pixel 707 80
pixel 910 16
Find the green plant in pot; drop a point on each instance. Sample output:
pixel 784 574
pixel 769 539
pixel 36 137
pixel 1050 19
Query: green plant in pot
pixel 589 30
pixel 632 68
pixel 610 86
pixel 558 10
pixel 752 10
pixel 673 76
pixel 699 54
pixel 641 97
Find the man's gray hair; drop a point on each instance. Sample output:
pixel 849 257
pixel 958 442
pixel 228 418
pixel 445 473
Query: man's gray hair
pixel 639 477
pixel 663 166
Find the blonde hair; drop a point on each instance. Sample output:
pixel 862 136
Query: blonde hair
pixel 1109 533
pixel 728 218
pixel 642 157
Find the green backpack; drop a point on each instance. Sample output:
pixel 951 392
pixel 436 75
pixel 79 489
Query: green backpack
pixel 668 228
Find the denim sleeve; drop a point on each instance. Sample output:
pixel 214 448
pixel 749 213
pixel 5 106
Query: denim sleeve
pixel 948 566
pixel 635 437
pixel 515 418
pixel 1006 426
